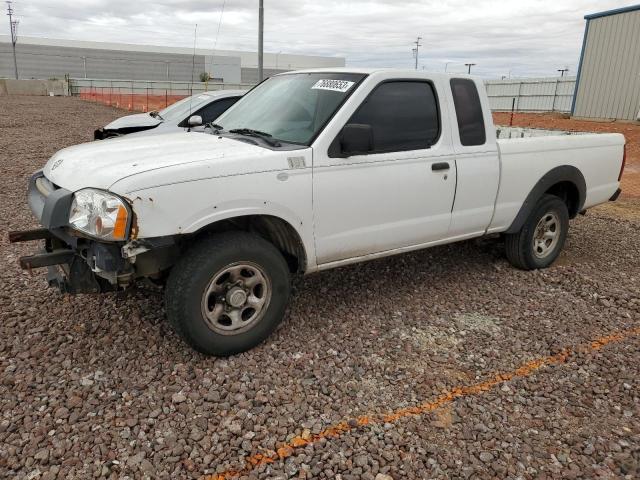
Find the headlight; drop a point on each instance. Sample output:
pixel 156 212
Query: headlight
pixel 99 214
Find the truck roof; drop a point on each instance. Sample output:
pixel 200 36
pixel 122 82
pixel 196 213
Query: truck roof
pixel 400 72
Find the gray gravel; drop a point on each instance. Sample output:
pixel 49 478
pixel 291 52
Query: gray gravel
pixel 101 386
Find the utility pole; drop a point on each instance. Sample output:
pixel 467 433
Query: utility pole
pixel 563 71
pixel 13 25
pixel 260 41
pixel 469 65
pixel 417 49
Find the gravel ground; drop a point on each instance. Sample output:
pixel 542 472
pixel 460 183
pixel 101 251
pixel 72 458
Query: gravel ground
pixel 101 387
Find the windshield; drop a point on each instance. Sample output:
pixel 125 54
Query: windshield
pixel 180 110
pixel 291 107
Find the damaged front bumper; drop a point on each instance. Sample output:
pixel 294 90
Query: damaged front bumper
pixel 75 264
pixel 67 270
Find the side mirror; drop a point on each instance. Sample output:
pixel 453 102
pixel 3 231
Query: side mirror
pixel 195 121
pixel 356 139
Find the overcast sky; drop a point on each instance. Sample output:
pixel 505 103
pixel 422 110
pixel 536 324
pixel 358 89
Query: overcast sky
pixel 521 37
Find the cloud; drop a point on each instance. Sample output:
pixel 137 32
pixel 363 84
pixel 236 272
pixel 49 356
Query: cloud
pixel 524 38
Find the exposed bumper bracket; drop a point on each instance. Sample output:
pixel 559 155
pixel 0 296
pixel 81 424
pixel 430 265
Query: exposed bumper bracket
pixel 46 259
pixel 29 235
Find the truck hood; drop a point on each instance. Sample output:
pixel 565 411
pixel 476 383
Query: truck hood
pixel 192 155
pixel 136 120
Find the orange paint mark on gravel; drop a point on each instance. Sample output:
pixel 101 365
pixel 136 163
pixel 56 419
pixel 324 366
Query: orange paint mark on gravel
pixel 335 431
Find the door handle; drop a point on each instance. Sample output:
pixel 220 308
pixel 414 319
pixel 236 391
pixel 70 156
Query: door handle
pixel 440 166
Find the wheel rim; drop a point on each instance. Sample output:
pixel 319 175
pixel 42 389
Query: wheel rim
pixel 546 235
pixel 236 298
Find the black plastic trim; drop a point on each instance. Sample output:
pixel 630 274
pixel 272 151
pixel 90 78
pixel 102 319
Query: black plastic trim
pixel 616 195
pixel 440 166
pixel 55 213
pixel 564 173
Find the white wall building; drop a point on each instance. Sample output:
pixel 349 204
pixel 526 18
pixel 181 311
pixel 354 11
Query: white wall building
pixel 47 58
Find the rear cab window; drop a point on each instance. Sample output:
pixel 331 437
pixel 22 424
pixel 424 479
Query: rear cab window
pixel 468 112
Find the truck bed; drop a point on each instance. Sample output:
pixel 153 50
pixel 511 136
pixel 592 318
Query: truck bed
pixel 505 132
pixel 528 154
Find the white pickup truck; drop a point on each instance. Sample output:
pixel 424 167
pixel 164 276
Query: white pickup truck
pixel 308 171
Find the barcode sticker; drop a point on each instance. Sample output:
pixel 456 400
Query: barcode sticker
pixel 333 85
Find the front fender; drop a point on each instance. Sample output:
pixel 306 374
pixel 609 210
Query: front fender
pixel 241 208
pixel 187 207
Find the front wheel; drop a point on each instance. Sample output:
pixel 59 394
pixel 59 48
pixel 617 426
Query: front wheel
pixel 541 238
pixel 228 293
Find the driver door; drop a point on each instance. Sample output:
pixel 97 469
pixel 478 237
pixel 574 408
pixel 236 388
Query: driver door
pixel 398 194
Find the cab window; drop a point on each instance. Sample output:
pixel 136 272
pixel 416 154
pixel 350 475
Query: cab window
pixel 468 112
pixel 403 115
pixel 215 109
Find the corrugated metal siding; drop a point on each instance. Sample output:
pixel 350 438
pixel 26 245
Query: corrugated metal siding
pixel 609 85
pixel 532 95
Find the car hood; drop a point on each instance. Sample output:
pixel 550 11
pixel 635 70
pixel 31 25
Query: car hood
pixel 163 159
pixel 136 120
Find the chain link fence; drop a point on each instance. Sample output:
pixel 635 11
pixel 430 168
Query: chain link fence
pixel 142 95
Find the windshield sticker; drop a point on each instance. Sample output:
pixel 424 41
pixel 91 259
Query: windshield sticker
pixel 333 85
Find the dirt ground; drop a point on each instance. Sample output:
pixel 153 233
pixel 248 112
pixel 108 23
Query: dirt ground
pixel 631 131
pixel 444 363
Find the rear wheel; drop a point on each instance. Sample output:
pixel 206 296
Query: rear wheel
pixel 541 238
pixel 228 293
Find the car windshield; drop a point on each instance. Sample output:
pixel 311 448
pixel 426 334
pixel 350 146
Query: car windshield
pixel 291 107
pixel 180 110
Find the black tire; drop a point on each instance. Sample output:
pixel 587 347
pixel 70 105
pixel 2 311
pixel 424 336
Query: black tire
pixel 193 275
pixel 520 249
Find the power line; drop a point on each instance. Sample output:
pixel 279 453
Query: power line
pixel 215 43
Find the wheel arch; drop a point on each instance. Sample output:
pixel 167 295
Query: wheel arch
pixel 566 182
pixel 276 230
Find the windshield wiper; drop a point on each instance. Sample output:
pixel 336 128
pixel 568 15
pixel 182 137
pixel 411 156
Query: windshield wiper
pixel 156 114
pixel 215 127
pixel 257 133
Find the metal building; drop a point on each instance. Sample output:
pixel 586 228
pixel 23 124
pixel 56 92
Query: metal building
pixel 46 58
pixel 608 84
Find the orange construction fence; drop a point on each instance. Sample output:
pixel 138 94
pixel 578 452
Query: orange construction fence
pixel 139 102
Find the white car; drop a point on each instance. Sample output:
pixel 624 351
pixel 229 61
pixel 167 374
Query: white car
pixel 310 170
pixel 205 106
